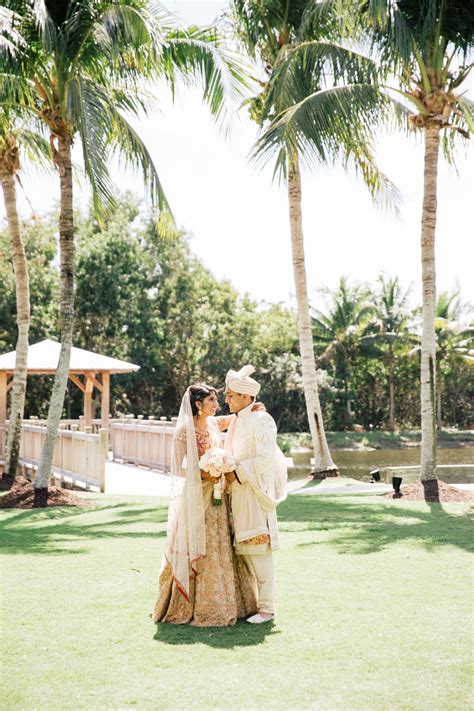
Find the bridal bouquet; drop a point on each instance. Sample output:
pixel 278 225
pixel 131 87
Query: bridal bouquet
pixel 217 461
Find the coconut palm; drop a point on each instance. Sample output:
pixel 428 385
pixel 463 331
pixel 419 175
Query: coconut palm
pixel 454 341
pixel 269 31
pixel 80 72
pixel 426 45
pixel 390 328
pixel 422 50
pixel 14 140
pixel 339 334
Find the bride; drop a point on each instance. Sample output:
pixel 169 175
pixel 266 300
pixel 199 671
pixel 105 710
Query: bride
pixel 202 581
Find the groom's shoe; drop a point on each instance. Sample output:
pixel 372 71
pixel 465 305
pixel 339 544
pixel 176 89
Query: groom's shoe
pixel 258 618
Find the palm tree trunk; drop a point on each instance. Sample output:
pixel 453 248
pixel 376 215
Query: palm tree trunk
pixel 439 407
pixel 20 266
pixel 323 464
pixel 348 409
pixel 428 338
pixel 66 243
pixel 391 392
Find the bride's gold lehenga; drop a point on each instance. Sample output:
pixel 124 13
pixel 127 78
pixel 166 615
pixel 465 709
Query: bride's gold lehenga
pixel 223 589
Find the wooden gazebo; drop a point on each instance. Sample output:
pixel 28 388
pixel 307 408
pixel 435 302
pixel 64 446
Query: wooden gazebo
pixel 88 371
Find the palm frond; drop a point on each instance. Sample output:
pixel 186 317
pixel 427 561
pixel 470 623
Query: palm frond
pixel 127 37
pixel 330 125
pixel 88 113
pixel 104 131
pixel 200 54
pixel 383 191
pixel 12 42
pixel 391 33
pixel 466 107
pixel 132 149
pixel 36 148
pixel 45 25
pixel 311 66
pixel 17 93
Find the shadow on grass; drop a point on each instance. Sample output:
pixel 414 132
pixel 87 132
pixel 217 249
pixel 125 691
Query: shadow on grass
pixel 361 527
pixel 56 530
pixel 355 525
pixel 241 634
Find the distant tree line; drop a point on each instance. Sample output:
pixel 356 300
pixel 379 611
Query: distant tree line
pixel 148 299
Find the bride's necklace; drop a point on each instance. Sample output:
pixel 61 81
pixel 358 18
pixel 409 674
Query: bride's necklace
pixel 200 429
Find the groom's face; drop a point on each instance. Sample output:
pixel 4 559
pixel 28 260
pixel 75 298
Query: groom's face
pixel 236 401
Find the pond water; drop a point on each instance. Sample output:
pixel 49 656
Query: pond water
pixel 358 465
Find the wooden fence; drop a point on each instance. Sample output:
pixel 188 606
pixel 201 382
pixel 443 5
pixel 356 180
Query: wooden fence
pixel 80 423
pixel 144 442
pixel 81 452
pixel 79 457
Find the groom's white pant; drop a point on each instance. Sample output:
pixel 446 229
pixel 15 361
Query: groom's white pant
pixel 264 570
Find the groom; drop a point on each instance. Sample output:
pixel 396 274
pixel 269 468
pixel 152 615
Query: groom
pixel 257 485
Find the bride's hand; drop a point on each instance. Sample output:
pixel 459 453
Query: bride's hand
pixel 259 407
pixel 230 478
pixel 207 477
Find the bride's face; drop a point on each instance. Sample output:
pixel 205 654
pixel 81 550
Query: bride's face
pixel 210 405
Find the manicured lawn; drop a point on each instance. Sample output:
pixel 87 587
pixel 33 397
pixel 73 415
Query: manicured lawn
pixel 374 606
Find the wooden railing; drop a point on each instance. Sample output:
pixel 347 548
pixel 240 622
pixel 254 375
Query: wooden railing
pixel 144 442
pixel 79 457
pixel 68 424
pixel 81 452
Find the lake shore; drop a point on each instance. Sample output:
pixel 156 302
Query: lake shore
pixel 368 441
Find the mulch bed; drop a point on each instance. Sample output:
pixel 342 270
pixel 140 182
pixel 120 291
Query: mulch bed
pixel 329 473
pixel 433 490
pixel 21 496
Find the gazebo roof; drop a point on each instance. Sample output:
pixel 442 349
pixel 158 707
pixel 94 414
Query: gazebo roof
pixel 43 358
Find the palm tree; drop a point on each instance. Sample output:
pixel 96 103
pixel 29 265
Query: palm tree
pixel 9 166
pixel 13 139
pixel 269 31
pixel 340 334
pixel 453 341
pixel 390 327
pixel 425 47
pixel 80 72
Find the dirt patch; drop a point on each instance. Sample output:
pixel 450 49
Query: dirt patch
pixel 21 496
pixel 433 490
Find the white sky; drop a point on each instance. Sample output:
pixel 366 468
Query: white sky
pixel 239 219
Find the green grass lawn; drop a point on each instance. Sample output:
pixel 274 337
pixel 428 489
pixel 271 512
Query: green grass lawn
pixel 374 607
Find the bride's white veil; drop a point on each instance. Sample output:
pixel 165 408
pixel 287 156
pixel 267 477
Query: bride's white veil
pixel 186 538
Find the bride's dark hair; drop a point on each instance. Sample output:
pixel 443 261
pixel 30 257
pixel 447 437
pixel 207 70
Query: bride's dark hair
pixel 198 392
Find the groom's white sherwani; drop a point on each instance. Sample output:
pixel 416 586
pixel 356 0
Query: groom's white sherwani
pixel 252 440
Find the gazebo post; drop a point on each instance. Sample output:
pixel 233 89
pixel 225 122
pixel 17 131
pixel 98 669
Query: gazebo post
pixel 105 400
pixel 3 410
pixel 3 398
pixel 88 401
